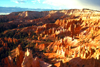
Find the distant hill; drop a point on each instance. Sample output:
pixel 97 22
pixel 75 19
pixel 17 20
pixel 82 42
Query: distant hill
pixel 17 9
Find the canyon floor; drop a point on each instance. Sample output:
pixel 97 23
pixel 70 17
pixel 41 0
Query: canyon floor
pixel 56 38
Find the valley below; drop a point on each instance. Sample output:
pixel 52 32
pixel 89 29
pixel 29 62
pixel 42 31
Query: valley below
pixel 56 38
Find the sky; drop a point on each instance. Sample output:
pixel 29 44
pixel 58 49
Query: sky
pixel 52 4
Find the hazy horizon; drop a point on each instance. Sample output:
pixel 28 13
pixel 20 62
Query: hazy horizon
pixel 8 10
pixel 52 4
pixel 38 5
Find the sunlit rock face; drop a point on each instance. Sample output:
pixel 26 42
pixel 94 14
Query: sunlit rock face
pixel 28 60
pixel 19 55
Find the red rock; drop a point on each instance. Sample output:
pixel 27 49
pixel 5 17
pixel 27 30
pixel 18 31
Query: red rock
pixel 5 62
pixel 29 61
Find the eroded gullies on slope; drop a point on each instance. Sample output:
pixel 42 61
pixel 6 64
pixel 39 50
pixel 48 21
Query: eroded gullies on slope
pixel 72 40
